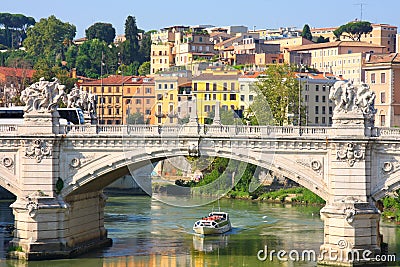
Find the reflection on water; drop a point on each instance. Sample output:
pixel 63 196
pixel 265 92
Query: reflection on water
pixel 149 233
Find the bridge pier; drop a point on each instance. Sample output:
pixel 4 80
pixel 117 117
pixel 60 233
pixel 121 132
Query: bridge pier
pixel 351 234
pixel 51 227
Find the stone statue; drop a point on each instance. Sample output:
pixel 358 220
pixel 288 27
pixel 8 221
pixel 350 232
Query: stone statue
pixel 350 97
pixel 78 98
pixel 42 96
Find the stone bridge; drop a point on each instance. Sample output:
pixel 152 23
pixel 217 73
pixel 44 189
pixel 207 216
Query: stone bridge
pixel 58 173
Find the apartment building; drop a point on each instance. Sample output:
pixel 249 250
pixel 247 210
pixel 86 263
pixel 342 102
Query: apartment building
pixel 381 34
pixel 216 85
pixel 167 84
pixel 342 58
pixel 138 97
pixel 193 45
pixel 382 74
pixel 315 96
pixel 120 96
pixel 247 89
pixel 289 42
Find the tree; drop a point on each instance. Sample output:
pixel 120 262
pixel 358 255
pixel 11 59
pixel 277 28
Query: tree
pixel 131 45
pixel 15 26
pixel 322 39
pixel 144 69
pixel 280 90
pixel 354 30
pixel 306 33
pixel 47 38
pixel 135 118
pixel 102 31
pixel 95 57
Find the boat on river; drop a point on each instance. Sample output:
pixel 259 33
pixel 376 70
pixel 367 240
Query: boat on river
pixel 217 222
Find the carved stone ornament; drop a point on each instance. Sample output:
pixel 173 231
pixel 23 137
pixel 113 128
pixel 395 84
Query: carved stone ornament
pixel 75 163
pixel 315 165
pixel 38 150
pixel 7 162
pixel 32 208
pixel 350 153
pixel 193 150
pixel 349 214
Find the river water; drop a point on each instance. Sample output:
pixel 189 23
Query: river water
pixel 147 232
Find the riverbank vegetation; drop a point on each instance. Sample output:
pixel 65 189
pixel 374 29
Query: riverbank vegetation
pixel 391 207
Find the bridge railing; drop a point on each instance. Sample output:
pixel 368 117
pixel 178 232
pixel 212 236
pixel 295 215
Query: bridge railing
pixel 386 131
pixel 8 128
pixel 204 130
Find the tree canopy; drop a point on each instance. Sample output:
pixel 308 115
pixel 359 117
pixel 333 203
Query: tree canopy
pixel 306 33
pixel 49 38
pixel 354 30
pixel 13 30
pixel 102 31
pixel 277 96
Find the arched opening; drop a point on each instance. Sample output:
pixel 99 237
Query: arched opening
pixel 6 220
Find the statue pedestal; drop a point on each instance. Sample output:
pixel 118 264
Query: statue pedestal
pixel 351 123
pixel 40 123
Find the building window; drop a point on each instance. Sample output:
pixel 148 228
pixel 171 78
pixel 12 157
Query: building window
pixel 323 99
pixel 195 87
pixel 117 100
pixel 317 88
pixel 330 110
pixel 317 98
pixel 214 96
pixel 148 111
pixel 117 89
pixel 207 87
pixel 306 98
pixel 138 90
pixel 159 97
pixel 323 110
pixel 251 97
pixel 316 120
pixel 323 120
pixel 138 101
pixel 148 90
pixel 225 86
pixel 109 89
pixel 165 86
pixel 148 101
pixel 316 109
pixel 214 86
pixel 207 108
pixel 224 97
pixel 232 97
pixel 242 97
pixel 382 117
pixel 372 77
pixel 383 97
pixel 232 86
pixel 383 78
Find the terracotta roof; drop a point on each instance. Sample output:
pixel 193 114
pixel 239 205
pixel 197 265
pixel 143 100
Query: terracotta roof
pixel 254 74
pixel 118 80
pixel 384 58
pixel 16 72
pixel 187 84
pixel 227 41
pixel 333 44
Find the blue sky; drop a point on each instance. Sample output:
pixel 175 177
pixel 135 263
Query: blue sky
pixel 158 14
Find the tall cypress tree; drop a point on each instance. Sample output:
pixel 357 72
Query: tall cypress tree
pixel 131 45
pixel 306 33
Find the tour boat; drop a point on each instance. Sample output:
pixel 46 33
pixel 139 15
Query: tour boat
pixel 216 222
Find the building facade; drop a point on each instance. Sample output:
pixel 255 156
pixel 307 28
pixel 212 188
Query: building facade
pixel 382 74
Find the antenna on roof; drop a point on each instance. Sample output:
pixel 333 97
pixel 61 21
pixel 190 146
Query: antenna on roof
pixel 361 9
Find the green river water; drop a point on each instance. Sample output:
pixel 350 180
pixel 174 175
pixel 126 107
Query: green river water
pixel 147 232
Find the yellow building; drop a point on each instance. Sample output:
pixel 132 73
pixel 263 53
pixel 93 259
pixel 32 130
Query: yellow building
pixel 382 74
pixel 167 90
pixel 342 58
pixel 381 34
pixel 161 57
pixel 216 85
pixel 289 42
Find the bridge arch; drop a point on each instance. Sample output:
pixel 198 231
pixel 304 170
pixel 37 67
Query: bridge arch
pixel 7 181
pixel 96 176
pixel 387 186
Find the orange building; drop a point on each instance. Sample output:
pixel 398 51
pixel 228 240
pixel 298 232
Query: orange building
pixel 120 96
